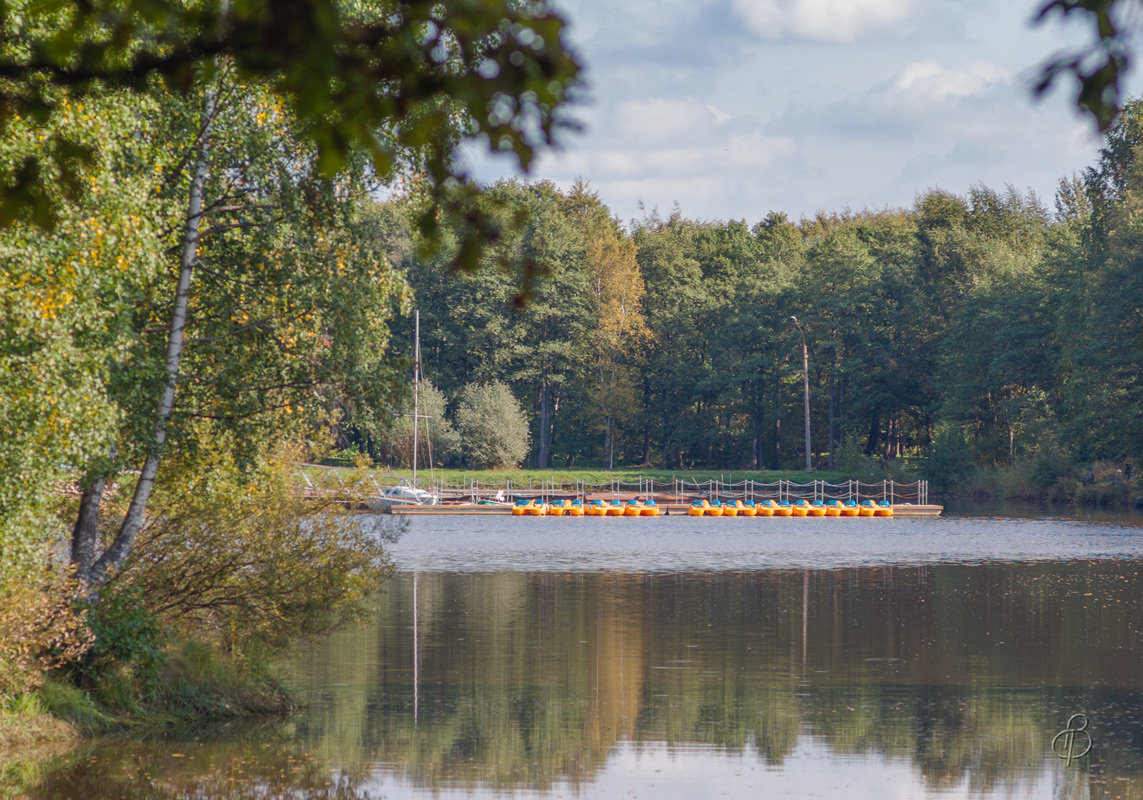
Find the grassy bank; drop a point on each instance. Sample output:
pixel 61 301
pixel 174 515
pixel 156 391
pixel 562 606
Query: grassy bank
pixel 193 687
pixel 1040 481
pixel 524 477
pixel 29 738
pixel 190 684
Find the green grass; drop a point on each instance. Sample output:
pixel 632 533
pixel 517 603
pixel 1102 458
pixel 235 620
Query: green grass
pixel 66 702
pixel 592 475
pixel 27 720
pixel 197 684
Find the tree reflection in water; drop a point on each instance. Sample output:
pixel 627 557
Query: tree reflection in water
pixel 530 681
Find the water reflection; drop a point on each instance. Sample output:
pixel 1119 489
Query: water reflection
pixel 964 672
pixel 844 682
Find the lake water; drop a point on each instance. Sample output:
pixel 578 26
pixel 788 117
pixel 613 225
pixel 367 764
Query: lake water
pixel 682 658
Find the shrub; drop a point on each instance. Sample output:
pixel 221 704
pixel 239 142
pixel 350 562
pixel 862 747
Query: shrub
pixel 438 442
pixel 493 429
pixel 947 463
pixel 128 652
pixel 1050 467
pixel 243 558
pixel 42 625
pixel 853 462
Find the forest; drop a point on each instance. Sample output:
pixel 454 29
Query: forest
pixel 979 329
pixel 216 224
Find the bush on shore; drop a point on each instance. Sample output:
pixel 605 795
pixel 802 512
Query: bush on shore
pixel 1052 478
pixel 243 559
pixel 42 626
pixel 231 566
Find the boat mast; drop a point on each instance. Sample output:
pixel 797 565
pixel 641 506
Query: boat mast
pixel 416 386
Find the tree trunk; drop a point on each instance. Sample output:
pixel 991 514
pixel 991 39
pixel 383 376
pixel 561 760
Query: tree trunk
pixel 874 432
pixel 832 463
pixel 755 439
pixel 646 460
pixel 841 415
pixel 96 574
pixel 554 402
pixel 776 461
pixel 86 530
pixel 609 441
pixel 543 439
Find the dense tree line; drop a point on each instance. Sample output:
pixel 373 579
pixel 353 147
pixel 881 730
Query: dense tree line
pixel 983 328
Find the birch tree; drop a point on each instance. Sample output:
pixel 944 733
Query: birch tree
pixel 351 90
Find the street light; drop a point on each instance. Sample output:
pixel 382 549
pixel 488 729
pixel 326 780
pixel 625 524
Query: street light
pixel 806 384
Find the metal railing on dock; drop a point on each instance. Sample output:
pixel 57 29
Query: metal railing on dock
pixel 332 483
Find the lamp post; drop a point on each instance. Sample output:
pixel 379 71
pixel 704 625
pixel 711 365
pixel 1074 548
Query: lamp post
pixel 806 385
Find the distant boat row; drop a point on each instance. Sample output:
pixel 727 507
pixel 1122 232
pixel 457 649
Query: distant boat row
pixel 784 508
pixel 704 508
pixel 576 508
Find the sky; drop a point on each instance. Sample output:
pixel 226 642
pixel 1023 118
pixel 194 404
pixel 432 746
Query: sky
pixel 732 109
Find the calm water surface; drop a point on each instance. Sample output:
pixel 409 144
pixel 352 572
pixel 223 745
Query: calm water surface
pixel 683 658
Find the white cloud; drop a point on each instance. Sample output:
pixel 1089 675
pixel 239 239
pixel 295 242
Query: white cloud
pixel 736 154
pixel 821 20
pixel 929 81
pixel 661 119
pixel 706 113
pixel 719 116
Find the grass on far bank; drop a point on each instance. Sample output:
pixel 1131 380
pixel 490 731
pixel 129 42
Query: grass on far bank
pixel 520 477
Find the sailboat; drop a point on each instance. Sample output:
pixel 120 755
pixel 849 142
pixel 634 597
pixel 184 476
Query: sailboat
pixel 407 492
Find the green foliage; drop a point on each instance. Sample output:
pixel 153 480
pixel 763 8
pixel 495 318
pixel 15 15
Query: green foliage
pixel 978 311
pixel 1050 468
pixel 492 427
pixel 104 139
pixel 1097 278
pixel 42 625
pixel 193 682
pixel 65 303
pixel 66 701
pixel 232 566
pixel 947 463
pixel 128 650
pixel 438 442
pixel 237 556
pixel 400 85
pixel 852 462
pixel 1099 66
pixel 202 681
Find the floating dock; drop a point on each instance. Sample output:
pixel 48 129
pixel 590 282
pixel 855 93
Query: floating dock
pixel 666 510
pixel 367 491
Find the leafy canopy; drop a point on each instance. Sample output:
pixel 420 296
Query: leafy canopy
pixel 400 81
